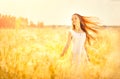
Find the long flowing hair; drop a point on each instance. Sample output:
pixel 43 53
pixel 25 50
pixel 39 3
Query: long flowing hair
pixel 87 24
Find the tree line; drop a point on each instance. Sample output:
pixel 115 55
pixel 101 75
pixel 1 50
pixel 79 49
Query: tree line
pixel 8 21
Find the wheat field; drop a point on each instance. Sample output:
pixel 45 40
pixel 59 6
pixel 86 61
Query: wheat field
pixel 34 53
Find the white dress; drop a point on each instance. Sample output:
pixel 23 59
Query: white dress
pixel 79 54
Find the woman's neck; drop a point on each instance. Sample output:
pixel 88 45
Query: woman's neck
pixel 79 30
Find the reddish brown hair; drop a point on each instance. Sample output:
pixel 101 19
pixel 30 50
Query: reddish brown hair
pixel 87 24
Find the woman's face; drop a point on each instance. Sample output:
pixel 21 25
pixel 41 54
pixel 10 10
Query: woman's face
pixel 76 21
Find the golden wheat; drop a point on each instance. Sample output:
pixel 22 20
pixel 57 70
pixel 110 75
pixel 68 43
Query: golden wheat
pixel 33 53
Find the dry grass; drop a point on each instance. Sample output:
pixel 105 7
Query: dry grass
pixel 34 54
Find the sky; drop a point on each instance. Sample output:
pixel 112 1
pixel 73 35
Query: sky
pixel 59 12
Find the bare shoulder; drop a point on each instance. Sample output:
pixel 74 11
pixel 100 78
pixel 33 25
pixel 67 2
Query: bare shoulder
pixel 70 31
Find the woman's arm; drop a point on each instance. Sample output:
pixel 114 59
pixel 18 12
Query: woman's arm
pixel 67 44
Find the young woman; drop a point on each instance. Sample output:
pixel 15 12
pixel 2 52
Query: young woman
pixel 79 35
